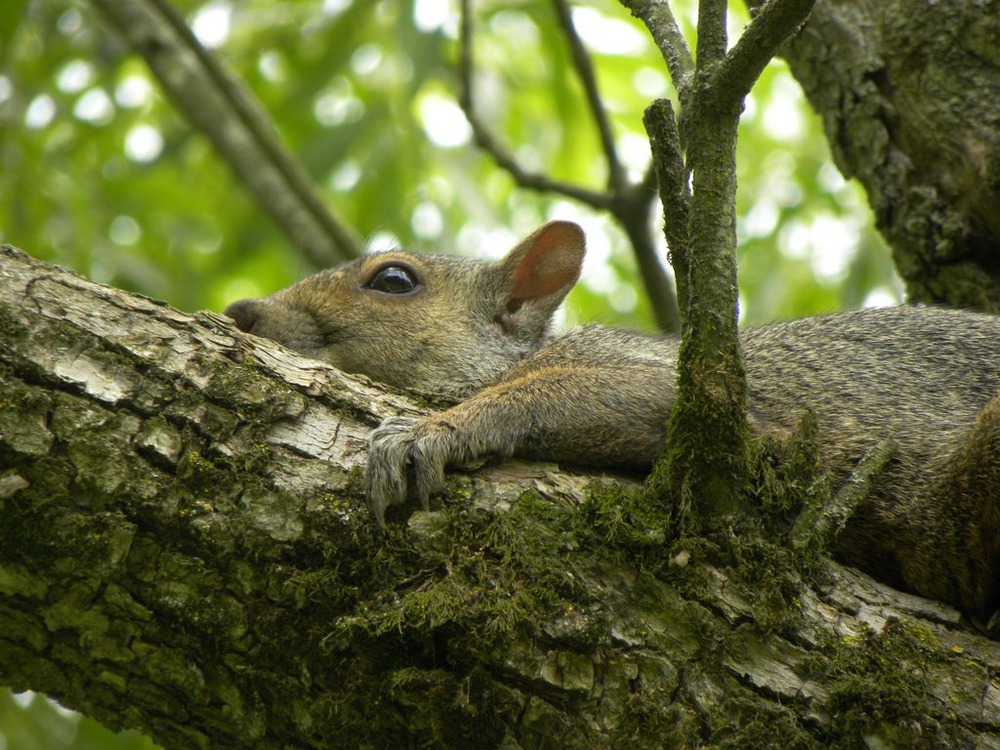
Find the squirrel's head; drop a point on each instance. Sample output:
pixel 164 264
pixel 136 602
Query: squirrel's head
pixel 432 323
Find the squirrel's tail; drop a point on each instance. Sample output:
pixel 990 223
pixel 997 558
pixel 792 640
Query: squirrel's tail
pixel 970 523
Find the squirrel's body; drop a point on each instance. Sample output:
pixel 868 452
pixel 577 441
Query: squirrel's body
pixel 600 396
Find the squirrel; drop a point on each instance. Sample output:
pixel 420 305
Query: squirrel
pixel 479 332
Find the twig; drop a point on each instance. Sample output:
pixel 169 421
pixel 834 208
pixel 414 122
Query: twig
pixel 585 70
pixel 215 103
pixel 488 142
pixel 820 522
pixel 675 194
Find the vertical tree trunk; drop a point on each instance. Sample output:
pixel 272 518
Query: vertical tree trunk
pixel 707 434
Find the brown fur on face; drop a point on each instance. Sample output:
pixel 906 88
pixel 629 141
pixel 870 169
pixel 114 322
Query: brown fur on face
pixel 462 326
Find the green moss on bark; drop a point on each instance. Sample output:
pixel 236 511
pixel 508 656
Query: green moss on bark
pixel 878 686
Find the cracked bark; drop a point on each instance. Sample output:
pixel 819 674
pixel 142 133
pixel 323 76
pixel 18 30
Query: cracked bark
pixel 908 93
pixel 184 550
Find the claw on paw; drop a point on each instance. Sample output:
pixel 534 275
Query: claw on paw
pixel 401 448
pixel 389 450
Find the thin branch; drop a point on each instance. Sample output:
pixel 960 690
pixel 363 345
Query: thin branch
pixel 656 282
pixel 675 193
pixel 662 26
pixel 488 142
pixel 253 115
pixel 215 103
pixel 823 518
pixel 712 39
pixel 774 22
pixel 585 70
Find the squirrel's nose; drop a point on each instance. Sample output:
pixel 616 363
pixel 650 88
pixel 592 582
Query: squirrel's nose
pixel 245 313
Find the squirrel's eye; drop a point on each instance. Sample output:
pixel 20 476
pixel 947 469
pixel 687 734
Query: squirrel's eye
pixel 393 280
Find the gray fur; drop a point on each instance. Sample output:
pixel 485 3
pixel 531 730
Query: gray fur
pixel 599 396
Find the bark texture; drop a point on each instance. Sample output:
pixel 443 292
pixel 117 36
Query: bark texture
pixel 184 550
pixel 909 93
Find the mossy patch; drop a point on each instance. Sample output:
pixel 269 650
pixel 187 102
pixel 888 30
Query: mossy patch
pixel 12 328
pixel 771 578
pixel 459 588
pixel 616 518
pixel 646 528
pixel 749 724
pixel 255 395
pixel 879 682
pixel 785 474
pixel 494 574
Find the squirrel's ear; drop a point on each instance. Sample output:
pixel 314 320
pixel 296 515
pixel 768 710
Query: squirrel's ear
pixel 544 266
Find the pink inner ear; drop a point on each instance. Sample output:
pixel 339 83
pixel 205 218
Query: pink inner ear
pixel 550 264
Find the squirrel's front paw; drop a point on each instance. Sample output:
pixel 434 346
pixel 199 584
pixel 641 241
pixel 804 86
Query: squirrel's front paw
pixel 396 447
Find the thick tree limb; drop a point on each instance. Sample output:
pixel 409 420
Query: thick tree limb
pixel 907 93
pixel 183 550
pixel 219 106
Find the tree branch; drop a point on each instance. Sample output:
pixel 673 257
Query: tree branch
pixel 184 551
pixel 712 35
pixel 488 142
pixel 675 193
pixel 585 70
pixel 215 103
pixel 662 26
pixel 774 22
pixel 820 523
pixel 631 209
pixel 633 216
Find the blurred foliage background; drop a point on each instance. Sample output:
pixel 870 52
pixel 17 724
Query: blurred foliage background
pixel 99 172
